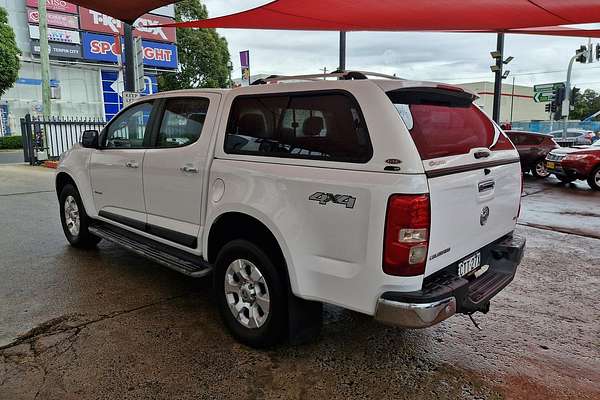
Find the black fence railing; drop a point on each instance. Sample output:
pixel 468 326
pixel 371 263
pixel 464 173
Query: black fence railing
pixel 54 135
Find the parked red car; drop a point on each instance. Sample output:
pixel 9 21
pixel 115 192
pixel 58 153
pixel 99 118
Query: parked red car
pixel 580 162
pixel 533 148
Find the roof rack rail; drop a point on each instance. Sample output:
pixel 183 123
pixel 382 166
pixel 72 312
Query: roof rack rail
pixel 341 75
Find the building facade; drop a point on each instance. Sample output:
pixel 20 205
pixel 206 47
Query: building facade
pixel 517 102
pixel 86 76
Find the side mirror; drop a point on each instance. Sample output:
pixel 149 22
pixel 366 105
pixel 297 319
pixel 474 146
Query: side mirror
pixel 90 139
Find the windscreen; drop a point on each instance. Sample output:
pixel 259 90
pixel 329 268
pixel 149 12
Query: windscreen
pixel 442 122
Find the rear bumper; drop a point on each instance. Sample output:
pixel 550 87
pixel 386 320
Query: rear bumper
pixel 445 294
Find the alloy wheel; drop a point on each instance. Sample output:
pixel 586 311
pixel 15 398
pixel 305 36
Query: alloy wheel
pixel 247 293
pixel 540 170
pixel 72 219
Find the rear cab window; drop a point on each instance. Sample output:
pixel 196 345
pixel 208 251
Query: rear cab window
pixel 445 123
pixel 323 125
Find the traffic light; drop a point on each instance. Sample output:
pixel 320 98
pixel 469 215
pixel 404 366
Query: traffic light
pixel 548 107
pixel 556 105
pixel 598 52
pixel 574 94
pixel 582 58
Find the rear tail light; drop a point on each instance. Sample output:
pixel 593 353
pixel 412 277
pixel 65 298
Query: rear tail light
pixel 406 238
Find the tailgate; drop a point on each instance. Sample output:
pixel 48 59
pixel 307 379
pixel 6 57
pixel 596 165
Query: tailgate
pixel 473 170
pixel 472 204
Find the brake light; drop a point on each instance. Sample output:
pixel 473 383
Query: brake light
pixel 406 238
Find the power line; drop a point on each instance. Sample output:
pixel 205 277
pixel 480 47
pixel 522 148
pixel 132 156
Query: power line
pixel 514 74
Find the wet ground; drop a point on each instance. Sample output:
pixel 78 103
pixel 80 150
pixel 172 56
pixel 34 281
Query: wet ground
pixel 106 324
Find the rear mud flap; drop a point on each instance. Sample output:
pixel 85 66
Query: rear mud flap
pixel 305 319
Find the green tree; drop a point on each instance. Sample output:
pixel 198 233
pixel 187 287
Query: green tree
pixel 586 104
pixel 9 54
pixel 203 54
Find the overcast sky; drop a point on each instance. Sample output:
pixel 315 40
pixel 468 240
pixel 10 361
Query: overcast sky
pixel 449 57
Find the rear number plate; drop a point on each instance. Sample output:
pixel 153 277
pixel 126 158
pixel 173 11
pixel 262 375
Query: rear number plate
pixel 469 264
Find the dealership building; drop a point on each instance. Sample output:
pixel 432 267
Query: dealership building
pixel 85 78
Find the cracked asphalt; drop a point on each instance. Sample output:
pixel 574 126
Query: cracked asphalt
pixel 107 324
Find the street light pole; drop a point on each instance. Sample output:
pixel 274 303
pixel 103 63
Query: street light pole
pixel 342 65
pixel 498 78
pixel 44 59
pixel 567 101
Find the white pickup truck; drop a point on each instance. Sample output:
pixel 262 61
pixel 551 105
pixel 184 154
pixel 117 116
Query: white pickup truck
pixel 393 198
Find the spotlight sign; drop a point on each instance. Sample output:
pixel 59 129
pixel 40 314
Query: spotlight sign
pixel 98 47
pixel 55 5
pixel 95 21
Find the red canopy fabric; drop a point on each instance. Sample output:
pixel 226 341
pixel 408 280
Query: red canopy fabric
pixel 407 15
pixel 125 10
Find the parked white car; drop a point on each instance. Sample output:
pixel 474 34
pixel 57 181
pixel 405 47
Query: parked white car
pixel 393 198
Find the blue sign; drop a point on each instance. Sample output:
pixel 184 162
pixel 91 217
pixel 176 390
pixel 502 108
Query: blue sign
pixel 36 82
pixel 4 125
pixel 97 47
pixel 112 87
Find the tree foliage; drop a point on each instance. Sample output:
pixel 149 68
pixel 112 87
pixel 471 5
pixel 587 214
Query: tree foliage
pixel 586 104
pixel 203 54
pixel 9 54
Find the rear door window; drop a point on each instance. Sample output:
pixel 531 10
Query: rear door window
pixel 444 123
pixel 318 125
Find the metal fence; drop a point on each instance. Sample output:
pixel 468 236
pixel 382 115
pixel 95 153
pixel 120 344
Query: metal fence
pixel 549 126
pixel 55 135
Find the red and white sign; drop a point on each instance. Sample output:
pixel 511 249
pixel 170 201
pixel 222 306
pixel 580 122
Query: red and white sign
pixel 56 35
pixel 59 20
pixel 55 5
pixel 95 21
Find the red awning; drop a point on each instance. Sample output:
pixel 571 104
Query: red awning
pixel 125 10
pixel 406 15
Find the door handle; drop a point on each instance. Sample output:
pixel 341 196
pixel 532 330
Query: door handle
pixel 187 168
pixel 481 154
pixel 131 164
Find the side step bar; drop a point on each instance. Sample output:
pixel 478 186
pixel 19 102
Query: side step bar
pixel 175 259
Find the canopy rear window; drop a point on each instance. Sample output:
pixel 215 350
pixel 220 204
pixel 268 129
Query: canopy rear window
pixel 443 122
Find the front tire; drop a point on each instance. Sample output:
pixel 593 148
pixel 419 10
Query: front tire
pixel 251 294
pixel 75 222
pixel 594 179
pixel 539 170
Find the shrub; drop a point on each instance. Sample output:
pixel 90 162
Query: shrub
pixel 10 142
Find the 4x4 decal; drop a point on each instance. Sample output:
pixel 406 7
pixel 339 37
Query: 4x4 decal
pixel 324 198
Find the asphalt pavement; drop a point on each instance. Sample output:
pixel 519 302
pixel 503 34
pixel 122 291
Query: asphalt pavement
pixel 11 157
pixel 107 324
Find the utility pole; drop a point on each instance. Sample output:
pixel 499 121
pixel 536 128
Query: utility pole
pixel 44 59
pixel 324 73
pixel 129 76
pixel 342 65
pixel 498 78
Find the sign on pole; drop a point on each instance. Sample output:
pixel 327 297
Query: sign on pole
pixel 545 92
pixel 245 64
pixel 130 97
pixel 138 64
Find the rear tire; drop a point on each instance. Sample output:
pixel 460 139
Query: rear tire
pixel 539 170
pixel 251 294
pixel 594 179
pixel 74 219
